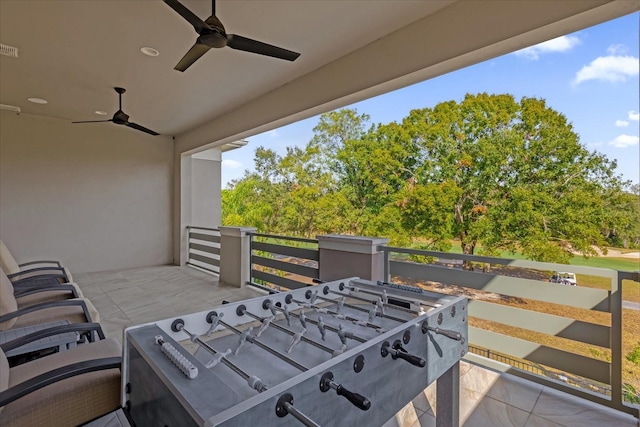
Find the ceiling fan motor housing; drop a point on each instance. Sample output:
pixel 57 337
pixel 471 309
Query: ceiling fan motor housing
pixel 217 37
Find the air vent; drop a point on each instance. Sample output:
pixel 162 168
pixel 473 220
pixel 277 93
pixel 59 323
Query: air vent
pixel 10 108
pixel 8 50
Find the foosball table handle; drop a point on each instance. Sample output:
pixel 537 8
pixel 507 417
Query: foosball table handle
pixel 358 400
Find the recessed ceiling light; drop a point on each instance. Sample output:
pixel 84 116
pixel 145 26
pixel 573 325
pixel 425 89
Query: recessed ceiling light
pixel 149 51
pixel 100 113
pixel 38 100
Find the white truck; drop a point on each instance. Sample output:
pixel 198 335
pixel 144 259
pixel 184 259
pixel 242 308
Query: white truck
pixel 564 278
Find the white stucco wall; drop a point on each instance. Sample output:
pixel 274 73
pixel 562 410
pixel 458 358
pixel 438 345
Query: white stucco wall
pixel 94 196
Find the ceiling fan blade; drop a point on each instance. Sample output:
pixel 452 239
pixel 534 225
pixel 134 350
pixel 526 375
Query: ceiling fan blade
pixel 198 24
pixel 192 56
pixel 249 45
pixel 142 128
pixel 95 121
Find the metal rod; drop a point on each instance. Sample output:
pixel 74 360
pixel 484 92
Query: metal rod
pixel 213 351
pixel 315 322
pixel 335 313
pixel 391 306
pixel 299 415
pixel 355 307
pixel 254 340
pixel 290 332
pixel 366 291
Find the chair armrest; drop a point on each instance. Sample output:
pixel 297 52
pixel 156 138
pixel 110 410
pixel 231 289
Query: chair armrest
pixel 56 263
pixel 52 304
pixel 37 273
pixel 55 375
pixel 24 290
pixel 40 281
pixel 49 332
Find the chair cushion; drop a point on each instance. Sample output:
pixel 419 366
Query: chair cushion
pixel 8 302
pixel 69 402
pixel 7 261
pixel 48 296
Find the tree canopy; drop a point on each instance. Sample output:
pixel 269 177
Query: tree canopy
pixel 493 172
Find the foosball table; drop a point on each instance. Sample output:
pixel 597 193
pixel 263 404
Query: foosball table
pixel 342 353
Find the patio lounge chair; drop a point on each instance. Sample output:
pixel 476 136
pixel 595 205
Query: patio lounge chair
pixel 34 272
pixel 63 389
pixel 27 296
pixel 77 310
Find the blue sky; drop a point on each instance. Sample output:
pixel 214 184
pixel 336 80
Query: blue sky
pixel 590 76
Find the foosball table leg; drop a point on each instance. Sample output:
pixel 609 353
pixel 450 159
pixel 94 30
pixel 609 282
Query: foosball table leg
pixel 448 398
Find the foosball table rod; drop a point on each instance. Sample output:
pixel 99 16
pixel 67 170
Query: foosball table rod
pixel 215 319
pixel 242 310
pixel 284 407
pixel 221 357
pixel 267 304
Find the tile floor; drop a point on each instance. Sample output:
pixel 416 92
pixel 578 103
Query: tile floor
pixel 487 398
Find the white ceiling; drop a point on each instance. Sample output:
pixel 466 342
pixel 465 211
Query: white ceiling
pixel 73 53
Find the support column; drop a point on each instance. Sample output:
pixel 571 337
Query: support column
pixel 448 398
pixel 349 256
pixel 198 191
pixel 235 255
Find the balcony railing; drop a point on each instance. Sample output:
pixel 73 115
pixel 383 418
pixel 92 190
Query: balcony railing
pixel 204 248
pixel 602 374
pixel 281 261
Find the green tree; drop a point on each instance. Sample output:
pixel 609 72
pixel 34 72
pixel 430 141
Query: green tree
pixel 491 171
pixel 523 180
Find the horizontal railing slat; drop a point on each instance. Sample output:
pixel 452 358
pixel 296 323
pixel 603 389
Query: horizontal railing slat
pixel 277 280
pixel 288 238
pixel 205 237
pixel 590 271
pixel 549 324
pixel 310 254
pixel 538 353
pixel 575 296
pixel 301 270
pixel 193 227
pixel 204 248
pixel 204 259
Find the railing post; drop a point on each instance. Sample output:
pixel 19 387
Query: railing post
pixel 235 255
pixel 616 340
pixel 350 256
pixel 387 262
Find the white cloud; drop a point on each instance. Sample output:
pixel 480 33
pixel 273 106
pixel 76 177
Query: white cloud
pixel 560 44
pixel 617 49
pixel 231 164
pixel 609 68
pixel 622 123
pixel 274 133
pixel 634 116
pixel 624 141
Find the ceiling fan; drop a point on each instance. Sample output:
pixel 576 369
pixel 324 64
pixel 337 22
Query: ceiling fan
pixel 211 34
pixel 120 118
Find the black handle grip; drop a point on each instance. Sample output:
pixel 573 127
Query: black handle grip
pixel 357 399
pixel 454 335
pixel 414 360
